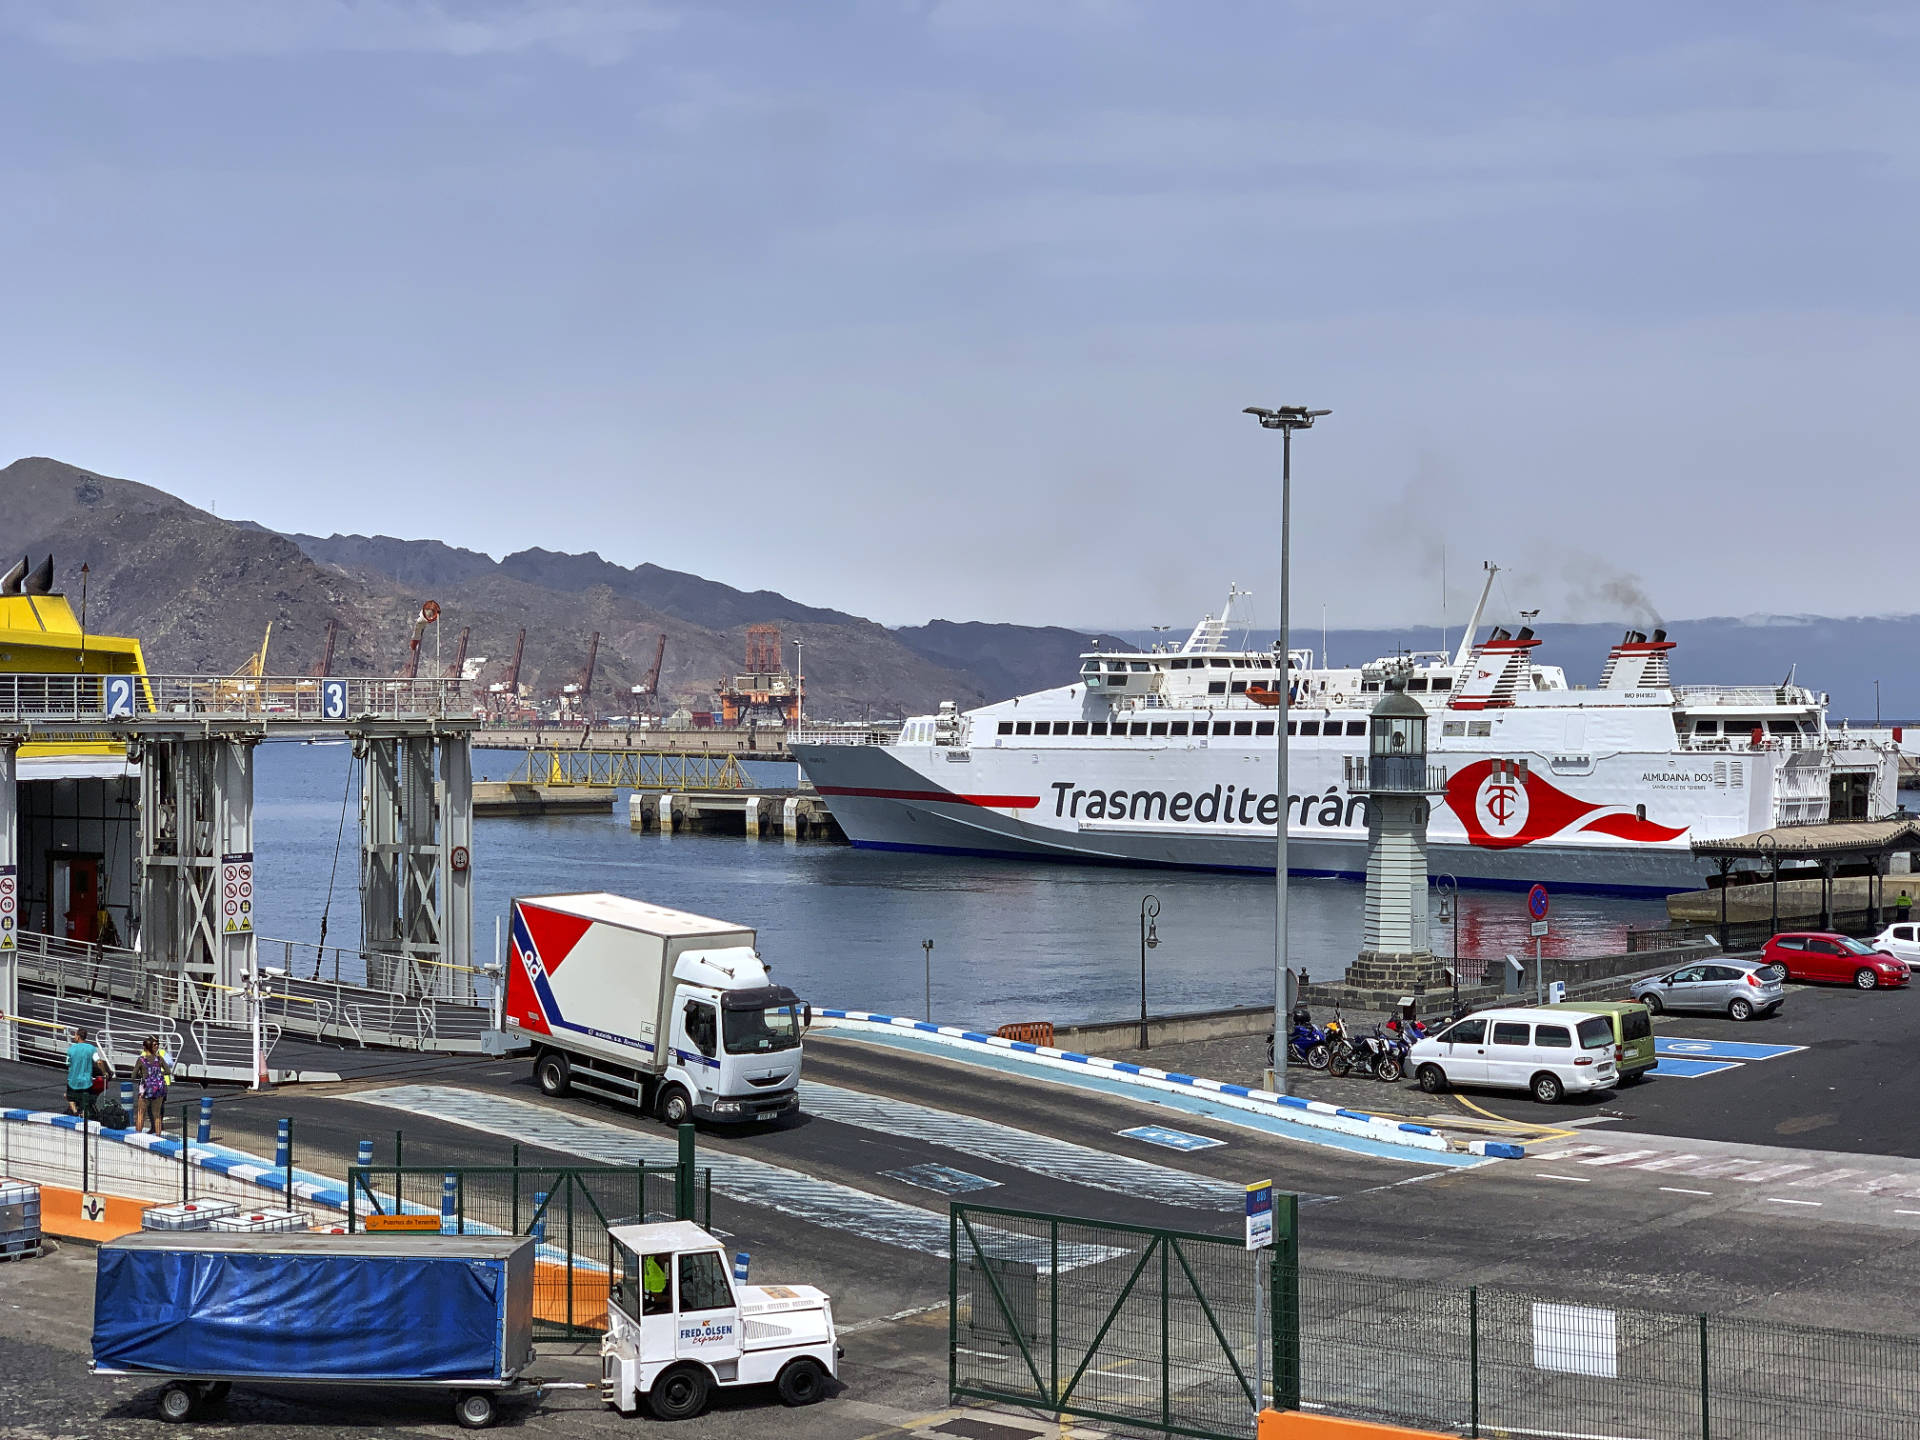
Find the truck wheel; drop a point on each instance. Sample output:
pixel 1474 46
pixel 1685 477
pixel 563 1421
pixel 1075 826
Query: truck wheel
pixel 554 1074
pixel 675 1108
pixel 801 1382
pixel 474 1410
pixel 679 1394
pixel 177 1404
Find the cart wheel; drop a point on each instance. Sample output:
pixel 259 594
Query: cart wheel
pixel 801 1382
pixel 679 1394
pixel 215 1391
pixel 177 1404
pixel 474 1410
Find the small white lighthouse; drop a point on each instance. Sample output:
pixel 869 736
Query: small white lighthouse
pixel 1398 785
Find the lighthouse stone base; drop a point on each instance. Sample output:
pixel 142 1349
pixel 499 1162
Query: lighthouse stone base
pixel 1382 970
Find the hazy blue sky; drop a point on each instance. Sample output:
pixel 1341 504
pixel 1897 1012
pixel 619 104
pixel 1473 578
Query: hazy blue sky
pixel 948 307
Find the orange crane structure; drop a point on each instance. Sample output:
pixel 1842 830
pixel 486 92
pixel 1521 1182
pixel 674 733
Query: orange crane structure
pixel 429 615
pixel 503 695
pixel 765 690
pixel 459 654
pixel 647 692
pixel 325 667
pixel 576 700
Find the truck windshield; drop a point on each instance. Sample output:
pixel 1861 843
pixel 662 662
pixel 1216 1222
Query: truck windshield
pixel 755 1032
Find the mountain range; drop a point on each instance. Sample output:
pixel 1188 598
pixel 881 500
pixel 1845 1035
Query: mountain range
pixel 200 590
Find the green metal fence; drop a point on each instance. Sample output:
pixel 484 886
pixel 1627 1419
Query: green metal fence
pixel 569 1210
pixel 1121 1324
pixel 1492 1362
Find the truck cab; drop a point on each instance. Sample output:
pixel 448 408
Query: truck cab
pixel 678 1325
pixel 734 1054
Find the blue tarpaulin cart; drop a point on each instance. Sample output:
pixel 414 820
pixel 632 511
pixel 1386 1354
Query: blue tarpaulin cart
pixel 203 1311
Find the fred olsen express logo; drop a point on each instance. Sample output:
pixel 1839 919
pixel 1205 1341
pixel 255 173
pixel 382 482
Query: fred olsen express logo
pixel 707 1332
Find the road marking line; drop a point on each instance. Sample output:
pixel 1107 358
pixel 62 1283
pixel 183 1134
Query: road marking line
pixel 1907 1212
pixel 1676 1190
pixel 1776 1200
pixel 1576 1179
pixel 1623 1157
pixel 878 1320
pixel 1771 1172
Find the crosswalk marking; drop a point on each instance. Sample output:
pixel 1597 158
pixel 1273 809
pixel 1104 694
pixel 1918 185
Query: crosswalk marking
pixel 1747 1170
pixel 1022 1149
pixel 755 1182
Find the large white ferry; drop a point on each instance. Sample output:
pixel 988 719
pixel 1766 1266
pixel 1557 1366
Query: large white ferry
pixel 1166 757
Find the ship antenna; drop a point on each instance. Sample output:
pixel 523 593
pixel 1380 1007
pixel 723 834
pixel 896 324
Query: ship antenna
pixel 1473 621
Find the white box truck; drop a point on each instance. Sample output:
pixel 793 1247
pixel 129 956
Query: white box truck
pixel 670 1012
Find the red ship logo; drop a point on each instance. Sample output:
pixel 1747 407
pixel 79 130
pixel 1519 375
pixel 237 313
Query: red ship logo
pixel 1501 811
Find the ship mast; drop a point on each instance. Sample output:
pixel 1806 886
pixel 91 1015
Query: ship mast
pixel 1473 621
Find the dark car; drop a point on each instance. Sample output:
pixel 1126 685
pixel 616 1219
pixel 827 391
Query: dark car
pixel 1824 955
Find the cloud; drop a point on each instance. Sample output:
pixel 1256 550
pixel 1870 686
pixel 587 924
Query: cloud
pixel 595 31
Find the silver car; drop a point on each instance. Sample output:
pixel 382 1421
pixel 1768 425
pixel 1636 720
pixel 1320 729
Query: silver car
pixel 1739 988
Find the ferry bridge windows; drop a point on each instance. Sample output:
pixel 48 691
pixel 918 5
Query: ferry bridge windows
pixel 1263 727
pixel 1079 727
pixel 1177 727
pixel 1221 664
pixel 1024 727
pixel 1223 727
pixel 1307 727
pixel 1139 727
pixel 1356 727
pixel 1138 667
pixel 1417 682
pixel 1706 727
pixel 1479 729
pixel 1243 727
pixel 1100 727
pixel 1006 727
pixel 1452 728
pixel 1781 727
pixel 1239 687
pixel 1159 727
pixel 1176 664
pixel 1216 687
pixel 1443 682
pixel 1293 727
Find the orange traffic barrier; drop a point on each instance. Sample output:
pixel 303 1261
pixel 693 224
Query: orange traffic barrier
pixel 1031 1032
pixel 589 1295
pixel 1292 1425
pixel 61 1214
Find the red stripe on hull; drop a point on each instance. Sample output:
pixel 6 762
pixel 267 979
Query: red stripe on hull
pixel 936 797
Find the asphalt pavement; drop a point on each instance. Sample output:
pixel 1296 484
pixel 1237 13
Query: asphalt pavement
pixel 853 1196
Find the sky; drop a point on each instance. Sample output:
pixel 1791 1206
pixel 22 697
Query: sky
pixel 949 308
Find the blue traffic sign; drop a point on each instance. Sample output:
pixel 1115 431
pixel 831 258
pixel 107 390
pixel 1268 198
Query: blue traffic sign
pixel 1537 902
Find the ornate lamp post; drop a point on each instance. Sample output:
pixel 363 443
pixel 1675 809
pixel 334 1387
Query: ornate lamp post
pixel 1149 940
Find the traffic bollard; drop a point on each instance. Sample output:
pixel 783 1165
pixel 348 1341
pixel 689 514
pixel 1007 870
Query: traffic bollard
pixel 740 1260
pixel 126 1096
pixel 447 1226
pixel 366 1155
pixel 205 1133
pixel 539 1230
pixel 281 1156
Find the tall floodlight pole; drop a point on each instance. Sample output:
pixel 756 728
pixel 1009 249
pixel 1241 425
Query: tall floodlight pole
pixel 1286 419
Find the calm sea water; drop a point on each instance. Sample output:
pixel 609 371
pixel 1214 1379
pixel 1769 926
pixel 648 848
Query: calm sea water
pixel 844 927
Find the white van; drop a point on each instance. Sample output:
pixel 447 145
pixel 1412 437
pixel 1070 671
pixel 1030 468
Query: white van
pixel 1549 1052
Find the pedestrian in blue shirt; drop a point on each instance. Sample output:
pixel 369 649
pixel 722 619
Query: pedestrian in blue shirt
pixel 83 1059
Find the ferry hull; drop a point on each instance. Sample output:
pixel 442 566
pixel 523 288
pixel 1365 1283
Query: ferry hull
pixel 884 803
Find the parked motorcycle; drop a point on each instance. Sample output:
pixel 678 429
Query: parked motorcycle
pixel 1306 1044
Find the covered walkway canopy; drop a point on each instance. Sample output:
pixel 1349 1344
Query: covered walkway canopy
pixel 1827 846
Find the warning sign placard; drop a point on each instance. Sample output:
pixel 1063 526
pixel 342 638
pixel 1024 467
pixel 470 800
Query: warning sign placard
pixel 236 892
pixel 9 906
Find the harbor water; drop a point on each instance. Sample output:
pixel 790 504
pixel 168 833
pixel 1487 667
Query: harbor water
pixel 844 927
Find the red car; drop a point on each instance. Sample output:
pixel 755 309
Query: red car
pixel 1823 955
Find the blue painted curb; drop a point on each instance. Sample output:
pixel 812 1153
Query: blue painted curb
pixel 1122 1067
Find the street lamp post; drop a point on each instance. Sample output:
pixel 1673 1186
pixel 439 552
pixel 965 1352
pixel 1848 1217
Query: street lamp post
pixel 1149 940
pixel 1449 889
pixel 1286 419
pixel 927 945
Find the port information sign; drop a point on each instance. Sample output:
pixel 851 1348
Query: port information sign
pixel 236 892
pixel 1537 902
pixel 1259 1214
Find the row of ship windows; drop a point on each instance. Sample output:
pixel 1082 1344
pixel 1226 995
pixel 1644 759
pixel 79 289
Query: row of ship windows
pixel 1172 728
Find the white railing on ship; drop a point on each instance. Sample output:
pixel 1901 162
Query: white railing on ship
pixel 1741 695
pixel 844 735
pixel 274 698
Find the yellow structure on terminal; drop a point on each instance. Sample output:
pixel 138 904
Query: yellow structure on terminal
pixel 40 635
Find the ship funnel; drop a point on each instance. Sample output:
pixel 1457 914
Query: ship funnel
pixel 10 582
pixel 40 582
pixel 1526 632
pixel 1659 635
pixel 1500 632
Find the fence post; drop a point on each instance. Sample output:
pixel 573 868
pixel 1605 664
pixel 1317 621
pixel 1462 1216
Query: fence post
pixel 1473 1352
pixel 683 1176
pixel 571 1182
pixel 953 1299
pixel 709 1192
pixel 1705 1416
pixel 1286 1303
pixel 186 1159
pixel 1053 1314
pixel 397 1162
pixel 288 1127
pixel 1166 1339
pixel 353 1200
pixel 460 1203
